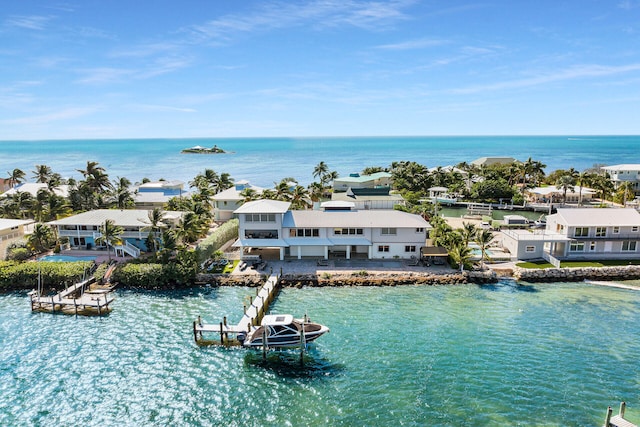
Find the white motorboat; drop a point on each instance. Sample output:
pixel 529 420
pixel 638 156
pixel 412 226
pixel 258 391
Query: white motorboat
pixel 282 330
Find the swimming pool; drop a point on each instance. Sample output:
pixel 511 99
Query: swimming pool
pixel 66 258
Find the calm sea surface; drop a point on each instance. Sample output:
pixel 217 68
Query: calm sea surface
pixel 552 355
pixel 265 160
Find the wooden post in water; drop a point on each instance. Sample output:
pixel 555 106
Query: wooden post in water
pixel 53 306
pixel 264 343
pixel 75 306
pixel 623 406
pixel 607 419
pixel 221 334
pixel 226 334
pixel 195 333
pixel 99 310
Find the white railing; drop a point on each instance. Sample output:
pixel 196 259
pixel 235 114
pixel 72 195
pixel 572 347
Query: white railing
pixel 129 248
pixel 551 259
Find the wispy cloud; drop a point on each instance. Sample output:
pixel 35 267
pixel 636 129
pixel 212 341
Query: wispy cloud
pixel 33 22
pixel 414 44
pixel 160 108
pixel 628 4
pixel 371 15
pixel 59 115
pixel 573 73
pixel 103 75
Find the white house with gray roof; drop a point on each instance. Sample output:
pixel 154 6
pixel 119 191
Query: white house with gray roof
pixel 227 201
pixel 83 229
pixel 580 234
pixel 355 180
pixel 629 172
pixel 337 231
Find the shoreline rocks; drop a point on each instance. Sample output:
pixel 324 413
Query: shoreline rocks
pixel 577 274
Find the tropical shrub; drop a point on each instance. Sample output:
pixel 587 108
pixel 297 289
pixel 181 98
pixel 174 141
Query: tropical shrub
pixel 24 275
pixel 224 233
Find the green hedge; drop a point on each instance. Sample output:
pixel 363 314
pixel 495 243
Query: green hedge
pixel 154 276
pixel 222 234
pixel 24 275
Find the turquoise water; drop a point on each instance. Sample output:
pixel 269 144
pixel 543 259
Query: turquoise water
pixel 66 258
pixel 265 160
pixel 552 355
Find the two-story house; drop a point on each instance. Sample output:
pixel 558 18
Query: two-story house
pixel 227 201
pixel 580 234
pixel 83 229
pixel 624 173
pixel 11 230
pixel 337 231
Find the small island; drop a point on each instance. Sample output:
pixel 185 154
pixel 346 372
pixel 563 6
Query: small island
pixel 204 150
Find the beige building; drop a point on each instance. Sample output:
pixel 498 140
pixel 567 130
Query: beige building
pixel 12 230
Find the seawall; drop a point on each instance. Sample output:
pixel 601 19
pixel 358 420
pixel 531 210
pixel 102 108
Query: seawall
pixel 355 279
pixel 630 272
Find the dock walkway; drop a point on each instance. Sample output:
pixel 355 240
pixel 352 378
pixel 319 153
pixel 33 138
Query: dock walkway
pixel 617 420
pixel 77 299
pixel 252 317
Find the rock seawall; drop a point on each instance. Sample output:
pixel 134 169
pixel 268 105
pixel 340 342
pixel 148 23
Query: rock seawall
pixel 354 279
pixel 629 272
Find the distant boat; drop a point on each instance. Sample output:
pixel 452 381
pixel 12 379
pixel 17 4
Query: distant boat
pixel 203 150
pixel 444 199
pixel 282 331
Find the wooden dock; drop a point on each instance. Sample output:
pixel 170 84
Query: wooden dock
pixel 618 420
pixel 228 334
pixel 79 299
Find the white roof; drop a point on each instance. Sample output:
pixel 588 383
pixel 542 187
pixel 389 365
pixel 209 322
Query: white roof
pixel 233 194
pixel 162 184
pixel 597 217
pixel 377 218
pixel 124 218
pixel 277 319
pixel 552 189
pixel 623 167
pixel 488 161
pixel 6 224
pixel 263 206
pixel 337 204
pixel 33 188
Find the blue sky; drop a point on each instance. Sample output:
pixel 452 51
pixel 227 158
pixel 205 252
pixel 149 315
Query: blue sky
pixel 200 68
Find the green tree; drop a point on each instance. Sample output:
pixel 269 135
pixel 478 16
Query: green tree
pixel 484 238
pixel 565 183
pixel 15 177
pixel 110 234
pixel 320 170
pixel 42 173
pixel 461 256
pixel 41 239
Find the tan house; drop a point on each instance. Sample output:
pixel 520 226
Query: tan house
pixel 12 230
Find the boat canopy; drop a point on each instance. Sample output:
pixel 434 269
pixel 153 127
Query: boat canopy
pixel 277 319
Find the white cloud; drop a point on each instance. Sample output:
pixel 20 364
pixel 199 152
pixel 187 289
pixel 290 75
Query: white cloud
pixel 64 114
pixel 160 108
pixel 576 72
pixel 413 44
pixel 33 22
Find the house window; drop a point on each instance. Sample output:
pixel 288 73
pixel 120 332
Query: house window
pixel 260 217
pixel 581 232
pixel 410 248
pixel 530 249
pixel 389 231
pixel 601 231
pixel 576 247
pixel 348 231
pixel 304 232
pixel 420 230
pixel 592 246
pixel 634 229
pixel 383 248
pixel 629 245
pixel 616 230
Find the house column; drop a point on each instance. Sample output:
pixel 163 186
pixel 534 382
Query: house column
pixel 348 252
pixel 370 252
pixel 282 253
pixel 326 252
pixel 299 252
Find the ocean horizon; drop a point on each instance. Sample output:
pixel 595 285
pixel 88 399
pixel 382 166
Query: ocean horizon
pixel 263 161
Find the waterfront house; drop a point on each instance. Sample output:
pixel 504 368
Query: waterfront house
pixel 369 198
pixel 580 234
pixel 338 230
pixel 553 194
pixel 156 194
pixel 227 201
pixel 12 230
pixel 490 161
pixel 32 188
pixel 624 173
pixel 355 181
pixel 83 229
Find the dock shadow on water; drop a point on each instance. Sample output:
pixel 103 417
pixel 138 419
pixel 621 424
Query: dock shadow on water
pixel 286 364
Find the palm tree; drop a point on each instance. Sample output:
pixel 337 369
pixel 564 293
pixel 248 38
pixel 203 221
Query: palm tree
pixel 155 219
pixel 320 170
pixel 123 197
pixel 299 197
pixel 565 183
pixel 96 178
pixel 41 239
pixel 109 235
pixel 583 179
pixel 468 232
pixel 315 191
pixel 248 194
pixel 483 238
pixel 42 173
pixel 16 177
pixel 461 255
pixel 625 191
